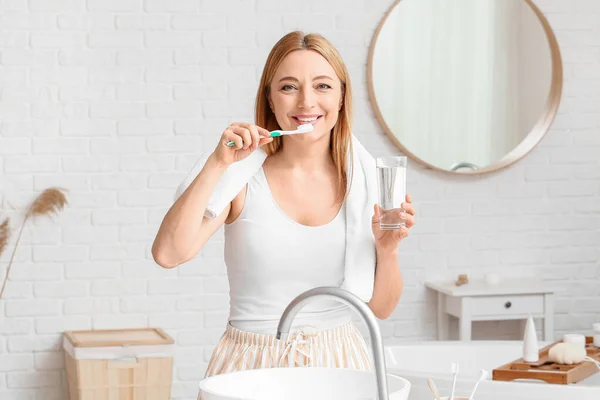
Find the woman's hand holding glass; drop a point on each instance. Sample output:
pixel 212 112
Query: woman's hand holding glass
pixel 389 239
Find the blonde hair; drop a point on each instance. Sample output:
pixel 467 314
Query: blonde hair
pixel 341 138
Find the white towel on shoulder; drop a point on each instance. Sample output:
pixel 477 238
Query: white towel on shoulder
pixel 360 257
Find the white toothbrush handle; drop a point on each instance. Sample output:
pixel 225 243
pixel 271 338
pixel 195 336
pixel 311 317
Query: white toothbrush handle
pixel 453 387
pixel 474 389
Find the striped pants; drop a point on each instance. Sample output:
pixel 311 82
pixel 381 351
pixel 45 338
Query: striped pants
pixel 342 347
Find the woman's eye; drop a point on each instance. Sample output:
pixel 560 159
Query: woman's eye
pixel 324 86
pixel 287 87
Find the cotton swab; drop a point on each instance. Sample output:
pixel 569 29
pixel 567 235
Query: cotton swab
pixel 483 375
pixel 455 373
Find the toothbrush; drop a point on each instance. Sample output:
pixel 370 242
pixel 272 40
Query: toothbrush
pixel 481 377
pixel 305 128
pixel 455 373
pixel 433 388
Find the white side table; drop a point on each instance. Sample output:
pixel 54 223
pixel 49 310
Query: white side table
pixel 480 301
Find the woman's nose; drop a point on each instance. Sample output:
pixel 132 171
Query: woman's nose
pixel 306 99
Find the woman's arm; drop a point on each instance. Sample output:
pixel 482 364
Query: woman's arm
pixel 388 284
pixel 184 230
pixel 388 279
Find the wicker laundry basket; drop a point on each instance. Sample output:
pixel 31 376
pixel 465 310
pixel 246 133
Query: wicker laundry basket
pixel 123 364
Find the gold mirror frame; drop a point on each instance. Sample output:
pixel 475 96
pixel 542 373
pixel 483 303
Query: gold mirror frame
pixel 533 137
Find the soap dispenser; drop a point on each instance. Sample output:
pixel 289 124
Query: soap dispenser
pixel 530 342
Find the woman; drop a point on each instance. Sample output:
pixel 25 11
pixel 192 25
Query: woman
pixel 285 231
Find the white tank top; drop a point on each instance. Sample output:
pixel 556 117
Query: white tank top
pixel 271 259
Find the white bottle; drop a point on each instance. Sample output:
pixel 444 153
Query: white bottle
pixel 530 342
pixel 596 334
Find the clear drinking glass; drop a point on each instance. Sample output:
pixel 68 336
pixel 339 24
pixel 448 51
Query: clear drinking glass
pixel 391 181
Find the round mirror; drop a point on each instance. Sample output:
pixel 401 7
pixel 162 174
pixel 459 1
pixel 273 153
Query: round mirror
pixel 468 86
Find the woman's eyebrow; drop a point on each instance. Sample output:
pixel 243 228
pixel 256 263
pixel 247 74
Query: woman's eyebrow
pixel 291 78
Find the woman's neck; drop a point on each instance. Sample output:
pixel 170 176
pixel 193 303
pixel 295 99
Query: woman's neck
pixel 305 155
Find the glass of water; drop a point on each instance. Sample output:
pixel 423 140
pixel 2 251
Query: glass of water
pixel 391 181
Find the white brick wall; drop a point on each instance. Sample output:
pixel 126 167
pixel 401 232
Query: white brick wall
pixel 114 99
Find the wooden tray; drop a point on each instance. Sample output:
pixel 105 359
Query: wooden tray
pixel 549 371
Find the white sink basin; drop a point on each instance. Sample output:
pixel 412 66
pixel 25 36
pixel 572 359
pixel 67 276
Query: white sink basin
pixel 299 384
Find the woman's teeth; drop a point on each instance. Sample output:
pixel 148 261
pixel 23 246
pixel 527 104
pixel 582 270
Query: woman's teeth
pixel 307 120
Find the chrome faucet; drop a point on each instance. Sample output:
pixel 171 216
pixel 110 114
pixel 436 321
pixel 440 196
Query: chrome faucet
pixel 464 164
pixel 343 296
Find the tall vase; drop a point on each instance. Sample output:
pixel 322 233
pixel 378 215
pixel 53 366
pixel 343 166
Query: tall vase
pixel 530 342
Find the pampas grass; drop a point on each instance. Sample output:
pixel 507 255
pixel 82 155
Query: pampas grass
pixel 48 203
pixel 4 234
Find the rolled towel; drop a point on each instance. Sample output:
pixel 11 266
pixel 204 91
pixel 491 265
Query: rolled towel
pixel 567 353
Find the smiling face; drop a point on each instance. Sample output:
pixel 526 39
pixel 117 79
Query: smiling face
pixel 306 90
